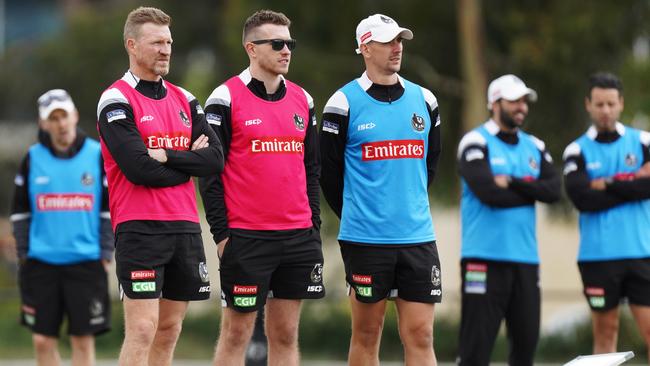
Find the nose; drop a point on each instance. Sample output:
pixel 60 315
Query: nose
pixel 396 45
pixel 166 49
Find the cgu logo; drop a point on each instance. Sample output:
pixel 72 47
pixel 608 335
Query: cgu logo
pixel 146 119
pixel 144 286
pixel 245 301
pixel 365 291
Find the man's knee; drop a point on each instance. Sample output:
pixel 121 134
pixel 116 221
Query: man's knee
pixel 141 331
pixel 82 344
pixel 285 335
pixel 235 334
pixel 418 335
pixel 43 343
pixel 368 333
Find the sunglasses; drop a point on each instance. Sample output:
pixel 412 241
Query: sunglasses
pixel 278 44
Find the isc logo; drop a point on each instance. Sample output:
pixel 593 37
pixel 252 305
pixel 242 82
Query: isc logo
pixel 252 122
pixel 437 292
pixel 245 301
pixel 366 126
pixel 317 288
pixel 204 289
pixel 143 286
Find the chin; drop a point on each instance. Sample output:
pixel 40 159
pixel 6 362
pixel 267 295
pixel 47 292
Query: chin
pixel 161 70
pixel 282 71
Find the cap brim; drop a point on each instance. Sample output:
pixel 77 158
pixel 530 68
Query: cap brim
pixel 45 112
pixel 384 38
pixel 512 96
pixel 399 32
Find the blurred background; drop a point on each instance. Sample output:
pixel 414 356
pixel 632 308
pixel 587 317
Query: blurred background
pixel 459 46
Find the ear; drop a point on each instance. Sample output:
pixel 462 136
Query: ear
pixel 587 103
pixel 622 102
pixel 250 49
pixel 75 116
pixel 365 50
pixel 130 45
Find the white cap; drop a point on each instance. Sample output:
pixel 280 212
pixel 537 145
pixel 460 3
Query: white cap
pixel 380 28
pixel 509 87
pixel 52 100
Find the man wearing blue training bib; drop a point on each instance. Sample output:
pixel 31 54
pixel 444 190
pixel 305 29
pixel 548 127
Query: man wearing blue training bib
pixel 607 176
pixel 504 172
pixel 380 142
pixel 64 238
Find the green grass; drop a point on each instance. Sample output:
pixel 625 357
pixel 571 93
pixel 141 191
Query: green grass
pixel 324 334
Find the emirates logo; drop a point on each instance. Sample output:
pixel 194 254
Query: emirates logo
pixel 64 202
pixel 393 149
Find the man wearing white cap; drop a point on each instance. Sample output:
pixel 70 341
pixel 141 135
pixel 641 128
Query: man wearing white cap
pixel 63 267
pixel 607 177
pixel 380 142
pixel 504 172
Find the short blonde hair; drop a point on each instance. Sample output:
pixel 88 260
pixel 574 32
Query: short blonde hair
pixel 143 15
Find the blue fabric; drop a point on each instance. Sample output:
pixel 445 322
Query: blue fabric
pixel 385 199
pixel 622 231
pixel 65 198
pixel 503 234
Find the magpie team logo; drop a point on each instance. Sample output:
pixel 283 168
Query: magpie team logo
pixel 317 273
pixel 87 179
pixel 299 122
pixel 96 308
pixel 532 163
pixel 417 123
pixel 184 119
pixel 203 272
pixel 630 159
pixel 435 276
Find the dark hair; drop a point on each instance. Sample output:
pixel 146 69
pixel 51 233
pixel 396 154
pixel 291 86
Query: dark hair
pixel 604 80
pixel 262 17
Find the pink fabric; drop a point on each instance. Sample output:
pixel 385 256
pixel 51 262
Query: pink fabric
pixel 264 175
pixel 162 125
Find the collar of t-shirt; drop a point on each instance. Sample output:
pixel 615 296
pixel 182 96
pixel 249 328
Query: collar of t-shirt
pixel 510 138
pixel 45 139
pixel 386 93
pixel 258 88
pixel 152 89
pixel 608 136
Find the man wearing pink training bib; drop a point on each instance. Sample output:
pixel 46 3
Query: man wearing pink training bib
pixel 263 209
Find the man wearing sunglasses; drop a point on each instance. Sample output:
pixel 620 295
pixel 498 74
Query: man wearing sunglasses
pixel 154 139
pixel 263 210
pixel 380 142
pixel 62 265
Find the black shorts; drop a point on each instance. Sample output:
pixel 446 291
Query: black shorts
pixel 607 282
pixel 169 264
pixel 77 291
pixel 493 291
pixel 376 272
pixel 252 269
